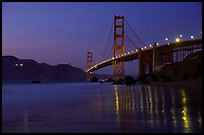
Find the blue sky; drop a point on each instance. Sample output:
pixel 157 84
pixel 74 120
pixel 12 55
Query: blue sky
pixel 63 32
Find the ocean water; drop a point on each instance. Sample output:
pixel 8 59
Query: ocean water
pixel 99 108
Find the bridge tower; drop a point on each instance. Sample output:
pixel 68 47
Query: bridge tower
pixel 118 46
pixel 89 64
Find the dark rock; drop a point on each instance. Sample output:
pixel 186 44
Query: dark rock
pixel 129 80
pixel 101 81
pixel 35 81
pixel 110 80
pixel 94 79
pixel 118 82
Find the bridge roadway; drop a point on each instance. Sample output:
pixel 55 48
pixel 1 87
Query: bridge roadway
pixel 171 47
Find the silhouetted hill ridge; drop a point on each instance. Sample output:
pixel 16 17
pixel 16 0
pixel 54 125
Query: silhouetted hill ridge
pixel 28 69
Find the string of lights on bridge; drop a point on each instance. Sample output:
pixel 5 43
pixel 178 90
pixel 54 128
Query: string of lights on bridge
pixel 133 51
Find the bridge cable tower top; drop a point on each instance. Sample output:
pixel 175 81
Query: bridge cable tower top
pixel 89 64
pixel 118 46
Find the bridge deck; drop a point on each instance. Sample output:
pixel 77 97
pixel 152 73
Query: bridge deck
pixel 176 46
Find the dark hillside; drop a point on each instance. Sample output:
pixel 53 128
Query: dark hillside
pixel 27 69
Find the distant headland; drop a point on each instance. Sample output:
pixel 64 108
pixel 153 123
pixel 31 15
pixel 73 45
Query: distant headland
pixel 21 70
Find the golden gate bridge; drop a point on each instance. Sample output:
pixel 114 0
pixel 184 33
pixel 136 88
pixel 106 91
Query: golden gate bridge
pixel 150 58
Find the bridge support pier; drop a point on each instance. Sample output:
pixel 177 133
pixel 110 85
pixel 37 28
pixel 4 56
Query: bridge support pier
pixel 177 57
pixel 169 57
pixel 181 54
pixel 155 57
pixel 145 62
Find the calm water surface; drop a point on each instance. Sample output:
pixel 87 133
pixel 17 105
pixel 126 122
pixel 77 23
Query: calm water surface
pixel 95 107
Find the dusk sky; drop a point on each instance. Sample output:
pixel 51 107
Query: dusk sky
pixel 63 32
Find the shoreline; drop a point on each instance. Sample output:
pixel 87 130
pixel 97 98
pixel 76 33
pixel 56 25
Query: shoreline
pixel 42 82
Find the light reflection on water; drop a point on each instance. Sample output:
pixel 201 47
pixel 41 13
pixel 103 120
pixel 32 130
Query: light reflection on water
pixel 154 109
pixel 99 108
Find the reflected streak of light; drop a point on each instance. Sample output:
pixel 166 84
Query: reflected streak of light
pixel 147 100
pixel 132 107
pixel 133 100
pixel 150 100
pixel 141 98
pixel 173 108
pixel 163 101
pixel 126 99
pixel 185 112
pixel 185 118
pixel 163 104
pixel 117 104
pixel 116 100
pixel 200 118
pixel 137 101
pixel 156 106
pixel 133 104
pixel 151 105
pixel 156 102
pixel 129 100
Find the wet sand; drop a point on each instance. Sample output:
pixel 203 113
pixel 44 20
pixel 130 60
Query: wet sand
pixel 195 84
pixel 192 87
pixel 103 108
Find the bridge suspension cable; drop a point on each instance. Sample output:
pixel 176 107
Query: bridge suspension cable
pixel 131 41
pixel 109 55
pixel 107 42
pixel 135 33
